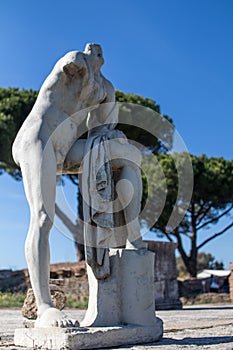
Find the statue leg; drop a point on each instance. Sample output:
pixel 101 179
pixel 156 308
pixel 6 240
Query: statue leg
pixel 39 176
pixel 129 189
pixel 74 157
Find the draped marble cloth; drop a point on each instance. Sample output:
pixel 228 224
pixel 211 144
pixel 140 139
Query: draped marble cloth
pixel 98 196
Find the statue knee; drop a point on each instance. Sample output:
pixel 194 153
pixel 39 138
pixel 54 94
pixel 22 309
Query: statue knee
pixel 45 221
pixel 125 191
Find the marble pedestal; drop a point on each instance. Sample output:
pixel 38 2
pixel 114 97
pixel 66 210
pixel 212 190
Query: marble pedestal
pixel 85 338
pixel 127 296
pixel 121 309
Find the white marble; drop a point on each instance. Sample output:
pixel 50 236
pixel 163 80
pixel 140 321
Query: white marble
pixel 127 296
pixel 87 338
pixel 48 143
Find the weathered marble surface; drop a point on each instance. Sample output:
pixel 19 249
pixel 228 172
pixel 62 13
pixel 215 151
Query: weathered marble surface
pixel 87 338
pixel 127 296
pixel 49 143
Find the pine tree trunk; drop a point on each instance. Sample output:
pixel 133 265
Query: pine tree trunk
pixel 80 246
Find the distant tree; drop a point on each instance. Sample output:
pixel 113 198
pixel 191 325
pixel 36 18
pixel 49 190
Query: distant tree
pixel 208 261
pixel 15 105
pixel 129 110
pixel 212 200
pixel 204 261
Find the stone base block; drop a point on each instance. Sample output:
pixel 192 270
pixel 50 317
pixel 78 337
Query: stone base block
pixel 127 296
pixel 168 305
pixel 87 338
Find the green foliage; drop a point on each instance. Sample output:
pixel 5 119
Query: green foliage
pixel 76 303
pixel 204 261
pixel 11 300
pixel 212 200
pixel 136 99
pixel 208 261
pixel 162 177
pixel 134 107
pixel 213 184
pixel 16 300
pixel 15 105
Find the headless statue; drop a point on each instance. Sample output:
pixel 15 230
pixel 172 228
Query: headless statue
pixel 47 144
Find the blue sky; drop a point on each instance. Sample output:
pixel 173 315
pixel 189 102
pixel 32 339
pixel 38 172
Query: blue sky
pixel 177 52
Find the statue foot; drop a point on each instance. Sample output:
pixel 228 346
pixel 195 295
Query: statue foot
pixel 53 317
pixel 137 244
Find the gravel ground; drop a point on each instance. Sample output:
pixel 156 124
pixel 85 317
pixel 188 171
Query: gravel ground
pixel 195 327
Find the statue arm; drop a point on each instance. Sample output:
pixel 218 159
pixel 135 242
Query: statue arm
pixel 107 111
pixel 110 106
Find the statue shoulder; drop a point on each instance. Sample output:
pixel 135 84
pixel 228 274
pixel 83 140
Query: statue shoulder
pixel 110 91
pixel 71 63
pixel 73 56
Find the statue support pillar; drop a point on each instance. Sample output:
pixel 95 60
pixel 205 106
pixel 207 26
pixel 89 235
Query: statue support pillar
pixel 127 296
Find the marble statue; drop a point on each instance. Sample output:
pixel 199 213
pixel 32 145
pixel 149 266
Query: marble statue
pixel 48 144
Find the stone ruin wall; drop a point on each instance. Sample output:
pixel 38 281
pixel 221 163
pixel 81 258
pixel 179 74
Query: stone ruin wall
pixel 231 281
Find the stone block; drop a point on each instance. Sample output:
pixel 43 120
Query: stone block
pixel 127 296
pixel 29 309
pixel 165 276
pixel 87 338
